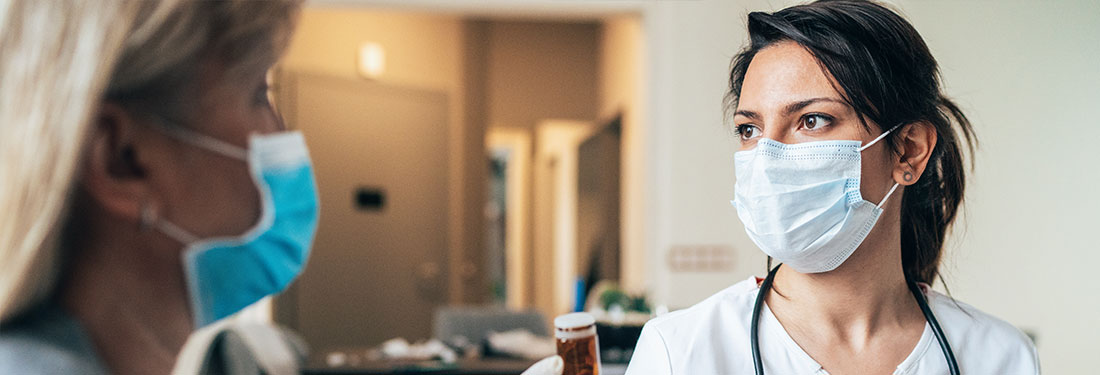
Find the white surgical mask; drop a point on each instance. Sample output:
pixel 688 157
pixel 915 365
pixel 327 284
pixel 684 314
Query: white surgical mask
pixel 801 203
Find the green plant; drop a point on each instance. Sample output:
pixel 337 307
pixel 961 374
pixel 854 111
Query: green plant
pixel 615 296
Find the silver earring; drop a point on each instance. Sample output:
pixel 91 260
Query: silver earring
pixel 908 177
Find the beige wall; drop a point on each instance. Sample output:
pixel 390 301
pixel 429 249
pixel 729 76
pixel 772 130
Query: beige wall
pixel 539 70
pixel 519 186
pixel 424 51
pixel 621 92
pixel 509 73
pixel 555 209
pixel 535 70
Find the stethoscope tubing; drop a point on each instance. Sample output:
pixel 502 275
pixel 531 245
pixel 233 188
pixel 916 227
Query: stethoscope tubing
pixel 935 324
pixel 754 328
pixel 766 286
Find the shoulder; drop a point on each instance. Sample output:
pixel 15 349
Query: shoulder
pixel 730 308
pixel 700 338
pixel 976 334
pixel 46 341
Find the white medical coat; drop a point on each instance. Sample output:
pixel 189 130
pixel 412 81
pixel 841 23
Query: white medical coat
pixel 712 338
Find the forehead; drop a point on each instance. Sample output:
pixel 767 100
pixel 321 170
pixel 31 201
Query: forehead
pixel 782 73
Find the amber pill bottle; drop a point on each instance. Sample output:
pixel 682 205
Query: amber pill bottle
pixel 578 345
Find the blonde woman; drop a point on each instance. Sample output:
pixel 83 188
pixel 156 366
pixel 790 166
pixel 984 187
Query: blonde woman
pixel 147 187
pixel 144 178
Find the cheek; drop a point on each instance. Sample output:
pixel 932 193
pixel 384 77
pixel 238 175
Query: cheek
pixel 850 128
pixel 221 199
pixel 876 174
pixel 232 117
pixel 240 198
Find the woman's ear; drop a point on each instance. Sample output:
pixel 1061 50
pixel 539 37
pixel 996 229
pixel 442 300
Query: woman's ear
pixel 113 174
pixel 915 148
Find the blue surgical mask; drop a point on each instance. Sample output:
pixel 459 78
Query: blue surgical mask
pixel 801 203
pixel 227 274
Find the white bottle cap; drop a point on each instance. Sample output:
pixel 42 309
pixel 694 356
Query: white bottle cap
pixel 575 325
pixel 574 320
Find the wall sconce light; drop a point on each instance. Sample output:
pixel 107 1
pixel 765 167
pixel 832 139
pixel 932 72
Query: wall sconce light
pixel 372 60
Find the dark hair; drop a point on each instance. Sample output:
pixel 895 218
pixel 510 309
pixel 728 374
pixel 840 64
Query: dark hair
pixel 886 73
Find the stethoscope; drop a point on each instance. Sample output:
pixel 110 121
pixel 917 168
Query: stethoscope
pixel 931 318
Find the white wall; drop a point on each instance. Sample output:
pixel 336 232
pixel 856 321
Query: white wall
pixel 1030 81
pixel 691 164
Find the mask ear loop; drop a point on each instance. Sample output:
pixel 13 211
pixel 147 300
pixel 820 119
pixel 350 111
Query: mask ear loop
pixel 147 218
pixel 204 141
pixel 177 233
pixel 150 219
pixel 888 194
pixel 879 138
pixel 872 143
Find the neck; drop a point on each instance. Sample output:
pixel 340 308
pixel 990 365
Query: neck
pixel 865 295
pixel 130 299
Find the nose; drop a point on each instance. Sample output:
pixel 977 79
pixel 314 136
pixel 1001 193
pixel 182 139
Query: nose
pixel 779 133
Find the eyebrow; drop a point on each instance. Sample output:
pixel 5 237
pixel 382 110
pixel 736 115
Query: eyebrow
pixel 790 108
pixel 749 114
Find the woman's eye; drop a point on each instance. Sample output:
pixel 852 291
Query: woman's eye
pixel 748 132
pixel 815 121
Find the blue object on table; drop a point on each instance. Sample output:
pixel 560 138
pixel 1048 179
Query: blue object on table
pixel 581 297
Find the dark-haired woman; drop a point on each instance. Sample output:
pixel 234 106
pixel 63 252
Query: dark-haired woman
pixel 849 175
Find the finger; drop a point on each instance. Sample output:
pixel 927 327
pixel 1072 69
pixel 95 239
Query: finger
pixel 547 366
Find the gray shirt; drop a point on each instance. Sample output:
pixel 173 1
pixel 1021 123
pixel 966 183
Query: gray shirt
pixel 47 340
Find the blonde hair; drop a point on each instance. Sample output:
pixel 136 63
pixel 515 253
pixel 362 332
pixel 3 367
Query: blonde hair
pixel 59 60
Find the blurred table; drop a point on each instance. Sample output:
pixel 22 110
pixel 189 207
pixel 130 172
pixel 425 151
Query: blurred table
pixel 462 367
